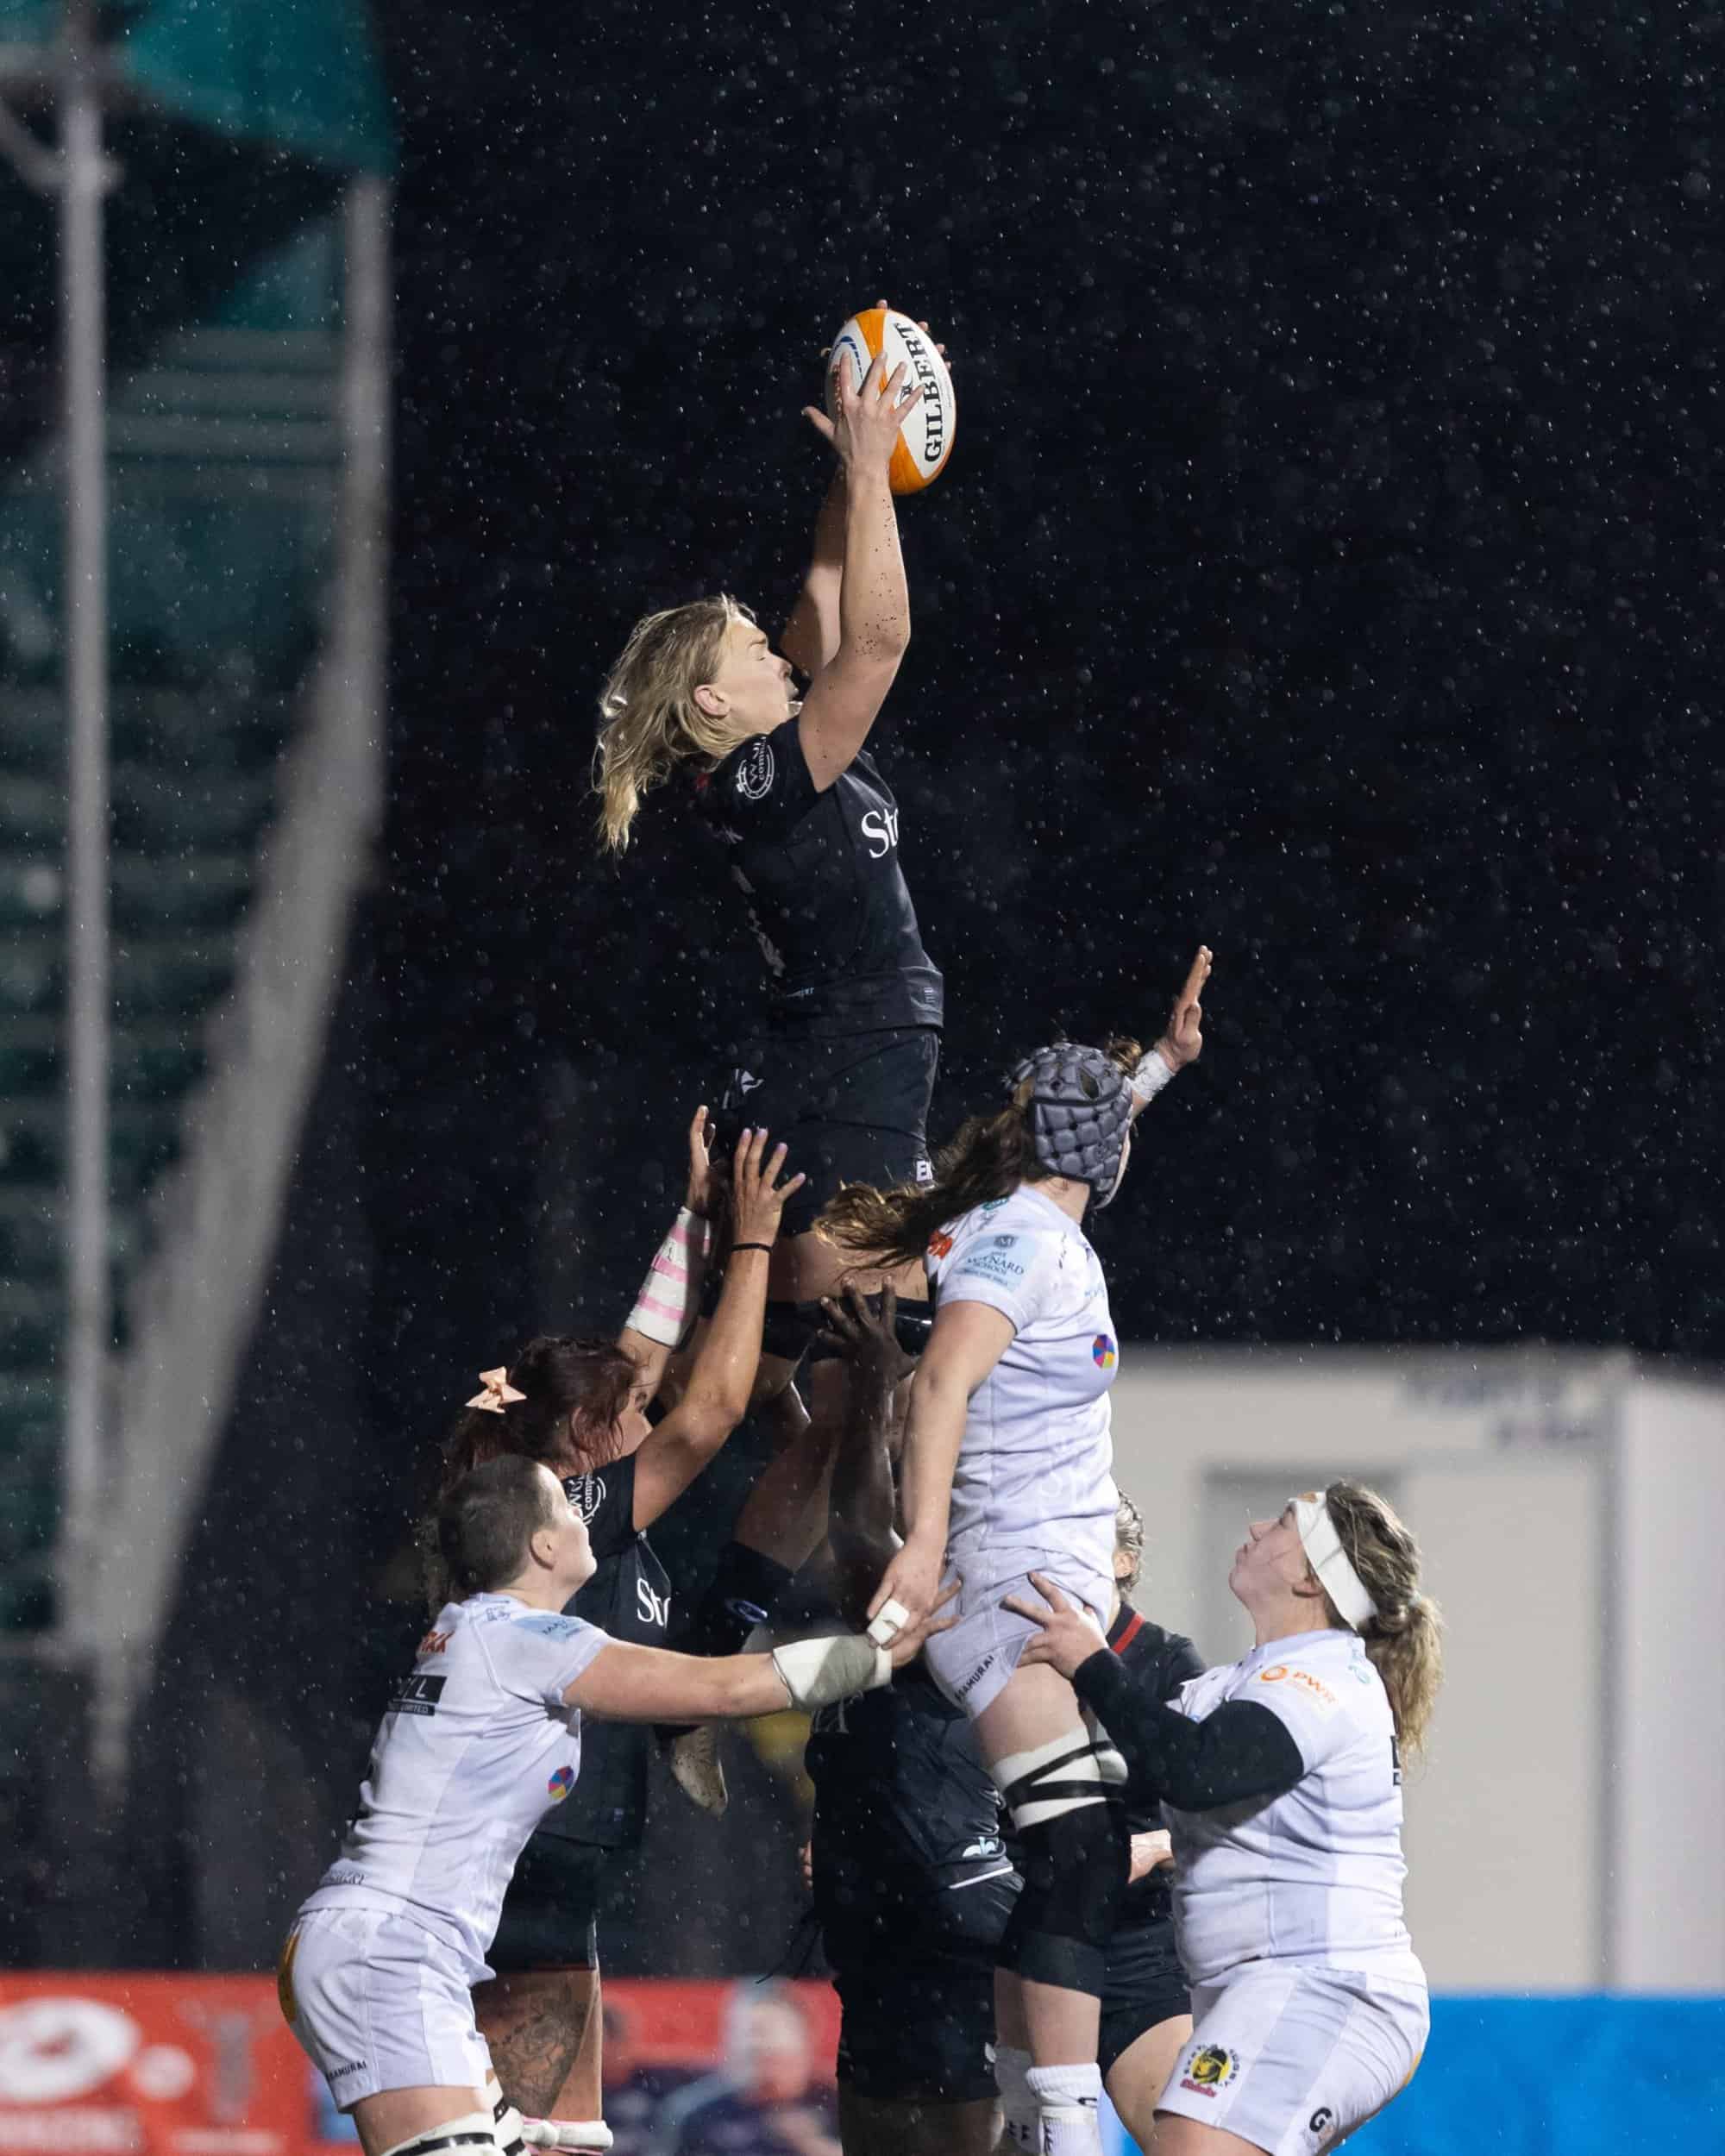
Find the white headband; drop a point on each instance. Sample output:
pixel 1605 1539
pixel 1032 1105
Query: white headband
pixel 1327 1558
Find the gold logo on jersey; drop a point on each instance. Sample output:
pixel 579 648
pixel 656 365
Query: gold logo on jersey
pixel 283 1980
pixel 1212 2066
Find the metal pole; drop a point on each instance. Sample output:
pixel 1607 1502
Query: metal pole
pixel 89 1312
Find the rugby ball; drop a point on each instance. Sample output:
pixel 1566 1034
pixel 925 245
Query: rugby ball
pixel 925 441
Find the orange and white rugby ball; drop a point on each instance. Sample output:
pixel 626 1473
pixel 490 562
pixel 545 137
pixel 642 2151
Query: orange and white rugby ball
pixel 925 441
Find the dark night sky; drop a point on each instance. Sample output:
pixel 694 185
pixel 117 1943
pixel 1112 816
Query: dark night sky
pixel 1326 569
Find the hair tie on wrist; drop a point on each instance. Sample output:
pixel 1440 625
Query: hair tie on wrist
pixel 751 1246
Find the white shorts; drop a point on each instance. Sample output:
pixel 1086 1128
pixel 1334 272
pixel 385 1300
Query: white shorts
pixel 972 1663
pixel 379 2002
pixel 1293 2059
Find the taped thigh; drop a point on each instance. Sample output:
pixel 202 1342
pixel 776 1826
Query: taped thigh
pixel 1062 1776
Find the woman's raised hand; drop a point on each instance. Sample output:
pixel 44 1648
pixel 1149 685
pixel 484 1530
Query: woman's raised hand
pixel 697 1197
pixel 1183 1042
pixel 867 414
pixel 757 1197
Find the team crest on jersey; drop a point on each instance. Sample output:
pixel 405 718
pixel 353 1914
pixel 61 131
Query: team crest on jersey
pixel 1211 2067
pixel 560 1784
pixel 754 779
pixel 587 1493
pixel 1103 1352
pixel 940 1244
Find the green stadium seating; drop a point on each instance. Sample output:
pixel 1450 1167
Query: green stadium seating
pixel 219 555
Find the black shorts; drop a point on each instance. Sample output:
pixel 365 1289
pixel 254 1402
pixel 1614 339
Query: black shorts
pixel 1144 1985
pixel 913 2030
pixel 551 1913
pixel 918 2001
pixel 853 1109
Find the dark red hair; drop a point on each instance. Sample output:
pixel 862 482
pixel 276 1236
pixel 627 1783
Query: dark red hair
pixel 576 1390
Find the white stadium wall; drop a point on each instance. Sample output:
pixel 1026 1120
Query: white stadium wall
pixel 1570 1507
pixel 1666 1868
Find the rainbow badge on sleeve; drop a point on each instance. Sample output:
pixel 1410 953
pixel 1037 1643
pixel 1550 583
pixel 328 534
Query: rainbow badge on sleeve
pixel 1102 1352
pixel 560 1784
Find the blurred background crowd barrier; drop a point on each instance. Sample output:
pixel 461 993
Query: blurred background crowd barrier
pixel 191 2066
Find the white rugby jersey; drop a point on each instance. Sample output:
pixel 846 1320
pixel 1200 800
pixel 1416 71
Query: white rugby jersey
pixel 1036 1467
pixel 1314 1876
pixel 475 1746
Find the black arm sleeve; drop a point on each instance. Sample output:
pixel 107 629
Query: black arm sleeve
pixel 1181 1662
pixel 1241 1750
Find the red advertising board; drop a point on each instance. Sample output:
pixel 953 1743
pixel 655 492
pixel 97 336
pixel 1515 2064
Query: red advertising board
pixel 169 2066
pixel 148 2065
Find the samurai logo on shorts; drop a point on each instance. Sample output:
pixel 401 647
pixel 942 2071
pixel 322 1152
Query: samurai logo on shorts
pixel 587 1493
pixel 1211 2067
pixel 754 780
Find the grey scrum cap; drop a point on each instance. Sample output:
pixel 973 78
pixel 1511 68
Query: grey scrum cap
pixel 1080 1108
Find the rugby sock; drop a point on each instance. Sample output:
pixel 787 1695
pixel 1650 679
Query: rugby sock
pixel 1068 2098
pixel 1020 2114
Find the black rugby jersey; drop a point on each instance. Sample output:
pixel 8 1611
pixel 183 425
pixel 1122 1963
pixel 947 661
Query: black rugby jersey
pixel 629 1597
pixel 825 895
pixel 1159 1662
pixel 907 1816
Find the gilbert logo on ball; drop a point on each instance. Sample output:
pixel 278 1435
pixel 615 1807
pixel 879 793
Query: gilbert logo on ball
pixel 925 441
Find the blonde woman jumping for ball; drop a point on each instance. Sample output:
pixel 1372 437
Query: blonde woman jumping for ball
pixel 802 826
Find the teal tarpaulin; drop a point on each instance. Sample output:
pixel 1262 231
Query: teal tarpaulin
pixel 301 74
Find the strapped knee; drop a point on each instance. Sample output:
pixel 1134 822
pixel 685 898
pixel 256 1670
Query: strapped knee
pixel 472 2134
pixel 1075 1857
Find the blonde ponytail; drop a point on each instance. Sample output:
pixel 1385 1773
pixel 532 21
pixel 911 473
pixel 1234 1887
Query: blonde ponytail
pixel 1405 1640
pixel 650 722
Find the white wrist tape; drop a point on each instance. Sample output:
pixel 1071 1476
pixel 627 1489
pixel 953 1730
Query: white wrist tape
pixel 575 2133
pixel 669 1301
pixel 820 1673
pixel 1150 1074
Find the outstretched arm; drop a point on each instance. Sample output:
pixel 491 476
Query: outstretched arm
pixel 666 1308
pixel 722 1377
pixel 860 1531
pixel 873 604
pixel 651 1684
pixel 1240 1752
pixel 811 635
pixel 811 638
pixel 969 1339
